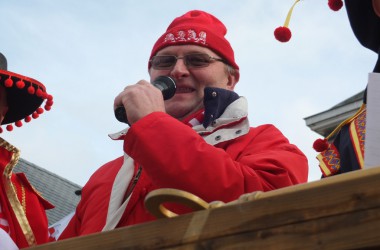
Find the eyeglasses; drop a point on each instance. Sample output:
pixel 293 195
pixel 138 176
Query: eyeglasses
pixel 191 60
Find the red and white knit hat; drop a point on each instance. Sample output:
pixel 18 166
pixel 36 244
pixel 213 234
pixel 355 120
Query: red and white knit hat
pixel 198 28
pixel 24 97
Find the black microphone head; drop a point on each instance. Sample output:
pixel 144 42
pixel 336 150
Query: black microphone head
pixel 121 115
pixel 167 86
pixel 164 83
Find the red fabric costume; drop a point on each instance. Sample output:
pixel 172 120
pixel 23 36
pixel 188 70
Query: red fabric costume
pixel 22 207
pixel 223 162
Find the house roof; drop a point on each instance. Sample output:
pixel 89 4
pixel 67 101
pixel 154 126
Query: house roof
pixel 358 97
pixel 326 121
pixel 57 190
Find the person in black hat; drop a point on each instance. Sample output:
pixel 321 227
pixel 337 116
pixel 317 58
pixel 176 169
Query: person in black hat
pixel 343 150
pixel 23 219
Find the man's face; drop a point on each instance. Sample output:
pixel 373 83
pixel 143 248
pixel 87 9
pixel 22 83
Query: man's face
pixel 191 81
pixel 3 103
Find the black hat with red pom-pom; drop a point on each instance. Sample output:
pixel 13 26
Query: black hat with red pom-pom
pixel 25 97
pixel 364 18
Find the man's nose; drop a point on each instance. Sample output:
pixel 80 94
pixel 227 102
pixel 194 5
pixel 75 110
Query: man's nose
pixel 179 68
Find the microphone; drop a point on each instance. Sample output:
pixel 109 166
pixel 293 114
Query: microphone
pixel 164 83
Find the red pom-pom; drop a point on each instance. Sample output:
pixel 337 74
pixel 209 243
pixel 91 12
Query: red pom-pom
pixel 335 5
pixel 39 93
pixel 20 84
pixel 8 83
pixel 40 110
pixel 282 34
pixel 35 115
pixel 1 130
pixel 28 118
pixel 9 127
pixel 49 103
pixel 18 124
pixel 320 145
pixel 47 107
pixel 31 90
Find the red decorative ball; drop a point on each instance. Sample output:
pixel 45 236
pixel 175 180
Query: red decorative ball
pixel 18 124
pixel 40 110
pixel 31 90
pixel 47 107
pixel 9 127
pixel 39 92
pixel 20 84
pixel 8 83
pixel 320 145
pixel 1 130
pixel 49 103
pixel 282 34
pixel 50 97
pixel 35 115
pixel 28 118
pixel 335 5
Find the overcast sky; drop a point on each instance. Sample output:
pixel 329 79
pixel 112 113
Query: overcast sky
pixel 87 51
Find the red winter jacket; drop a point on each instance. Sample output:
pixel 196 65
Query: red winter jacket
pixel 221 162
pixel 21 205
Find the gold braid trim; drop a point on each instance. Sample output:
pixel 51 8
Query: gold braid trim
pixel 23 195
pixel 18 209
pixel 348 120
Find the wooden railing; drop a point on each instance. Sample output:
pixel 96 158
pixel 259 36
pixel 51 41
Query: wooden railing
pixel 339 212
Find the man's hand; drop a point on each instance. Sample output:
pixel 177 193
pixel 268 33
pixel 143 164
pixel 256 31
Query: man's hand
pixel 140 100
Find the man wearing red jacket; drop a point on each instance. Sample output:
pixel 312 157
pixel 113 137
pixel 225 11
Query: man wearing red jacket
pixel 199 141
pixel 23 221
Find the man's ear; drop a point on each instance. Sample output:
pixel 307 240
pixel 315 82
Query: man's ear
pixel 233 80
pixel 376 7
pixel 3 101
pixel 4 111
